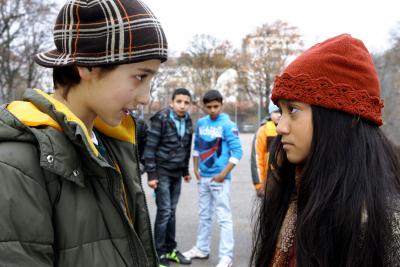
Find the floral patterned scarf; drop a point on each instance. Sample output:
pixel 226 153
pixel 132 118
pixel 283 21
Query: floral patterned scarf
pixel 285 251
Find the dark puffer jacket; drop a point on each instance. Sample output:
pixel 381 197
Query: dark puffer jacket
pixel 60 201
pixel 166 153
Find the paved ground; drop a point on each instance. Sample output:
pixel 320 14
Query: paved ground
pixel 243 198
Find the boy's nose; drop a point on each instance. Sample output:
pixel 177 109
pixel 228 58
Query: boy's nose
pixel 143 98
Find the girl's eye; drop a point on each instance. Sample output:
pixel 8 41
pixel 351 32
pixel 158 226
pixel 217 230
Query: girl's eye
pixel 292 109
pixel 140 77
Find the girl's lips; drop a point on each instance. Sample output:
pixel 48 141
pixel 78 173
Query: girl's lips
pixel 286 145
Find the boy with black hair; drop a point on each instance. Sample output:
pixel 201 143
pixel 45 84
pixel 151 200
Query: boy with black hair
pixel 217 150
pixel 166 156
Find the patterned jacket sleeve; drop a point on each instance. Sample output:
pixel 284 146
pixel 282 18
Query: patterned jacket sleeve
pixel 152 141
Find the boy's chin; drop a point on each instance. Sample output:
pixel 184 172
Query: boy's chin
pixel 180 114
pixel 213 116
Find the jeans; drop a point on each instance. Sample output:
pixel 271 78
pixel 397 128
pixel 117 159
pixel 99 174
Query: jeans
pixel 167 196
pixel 215 197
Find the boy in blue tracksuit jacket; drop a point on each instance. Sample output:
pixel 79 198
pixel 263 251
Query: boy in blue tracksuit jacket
pixel 217 150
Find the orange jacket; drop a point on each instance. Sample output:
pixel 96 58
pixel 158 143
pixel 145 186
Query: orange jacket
pixel 260 154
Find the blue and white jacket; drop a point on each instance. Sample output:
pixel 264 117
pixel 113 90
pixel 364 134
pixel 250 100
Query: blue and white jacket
pixel 216 143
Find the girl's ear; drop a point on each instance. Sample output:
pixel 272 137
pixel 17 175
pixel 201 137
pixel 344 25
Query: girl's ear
pixel 84 72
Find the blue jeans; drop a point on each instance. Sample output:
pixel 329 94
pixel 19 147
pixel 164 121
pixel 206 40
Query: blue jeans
pixel 167 196
pixel 215 197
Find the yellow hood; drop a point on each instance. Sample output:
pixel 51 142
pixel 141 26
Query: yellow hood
pixel 31 116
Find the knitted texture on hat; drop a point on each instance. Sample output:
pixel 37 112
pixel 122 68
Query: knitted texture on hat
pixel 337 74
pixel 104 32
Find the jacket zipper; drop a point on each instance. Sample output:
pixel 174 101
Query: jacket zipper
pixel 121 214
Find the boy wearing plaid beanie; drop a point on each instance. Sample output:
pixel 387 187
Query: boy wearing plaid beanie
pixel 70 187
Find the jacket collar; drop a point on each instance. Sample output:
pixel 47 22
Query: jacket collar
pixel 175 116
pixel 39 110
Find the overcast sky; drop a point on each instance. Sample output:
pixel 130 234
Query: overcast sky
pixel 368 20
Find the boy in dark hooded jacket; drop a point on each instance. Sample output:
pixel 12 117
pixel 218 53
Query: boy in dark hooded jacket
pixel 167 155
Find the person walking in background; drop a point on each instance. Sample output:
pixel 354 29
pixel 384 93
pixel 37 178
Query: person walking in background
pixel 70 189
pixel 166 156
pixel 261 146
pixel 333 195
pixel 217 150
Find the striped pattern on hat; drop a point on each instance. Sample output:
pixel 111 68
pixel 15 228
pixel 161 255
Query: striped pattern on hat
pixel 103 32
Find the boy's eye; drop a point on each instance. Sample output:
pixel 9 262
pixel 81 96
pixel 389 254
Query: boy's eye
pixel 140 77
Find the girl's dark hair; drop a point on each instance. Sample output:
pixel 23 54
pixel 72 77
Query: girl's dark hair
pixel 68 76
pixel 181 91
pixel 348 186
pixel 212 95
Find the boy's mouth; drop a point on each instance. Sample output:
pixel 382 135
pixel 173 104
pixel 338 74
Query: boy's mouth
pixel 126 111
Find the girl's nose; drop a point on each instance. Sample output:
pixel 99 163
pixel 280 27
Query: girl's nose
pixel 282 128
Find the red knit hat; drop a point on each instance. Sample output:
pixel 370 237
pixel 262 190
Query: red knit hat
pixel 337 74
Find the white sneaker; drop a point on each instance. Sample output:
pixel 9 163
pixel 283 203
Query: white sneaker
pixel 225 262
pixel 195 253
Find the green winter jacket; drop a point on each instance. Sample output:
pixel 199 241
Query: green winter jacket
pixel 60 200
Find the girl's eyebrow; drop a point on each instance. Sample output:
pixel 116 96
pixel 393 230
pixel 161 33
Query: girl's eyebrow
pixel 284 102
pixel 293 102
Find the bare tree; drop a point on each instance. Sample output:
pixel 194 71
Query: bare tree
pixel 204 62
pixel 22 34
pixel 167 71
pixel 264 54
pixel 388 66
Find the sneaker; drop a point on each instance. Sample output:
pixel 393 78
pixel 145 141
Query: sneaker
pixel 195 253
pixel 225 262
pixel 178 257
pixel 164 262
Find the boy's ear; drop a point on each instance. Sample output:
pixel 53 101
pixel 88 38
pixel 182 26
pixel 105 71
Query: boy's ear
pixel 84 72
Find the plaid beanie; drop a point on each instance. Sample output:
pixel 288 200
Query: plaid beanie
pixel 104 32
pixel 336 74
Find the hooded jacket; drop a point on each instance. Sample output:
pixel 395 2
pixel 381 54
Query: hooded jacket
pixel 166 152
pixel 60 200
pixel 260 149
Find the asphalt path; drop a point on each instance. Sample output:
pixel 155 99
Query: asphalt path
pixel 242 203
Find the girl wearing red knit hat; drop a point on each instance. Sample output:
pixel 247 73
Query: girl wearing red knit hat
pixel 334 186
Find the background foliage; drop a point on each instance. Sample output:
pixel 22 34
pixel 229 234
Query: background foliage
pixel 244 75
